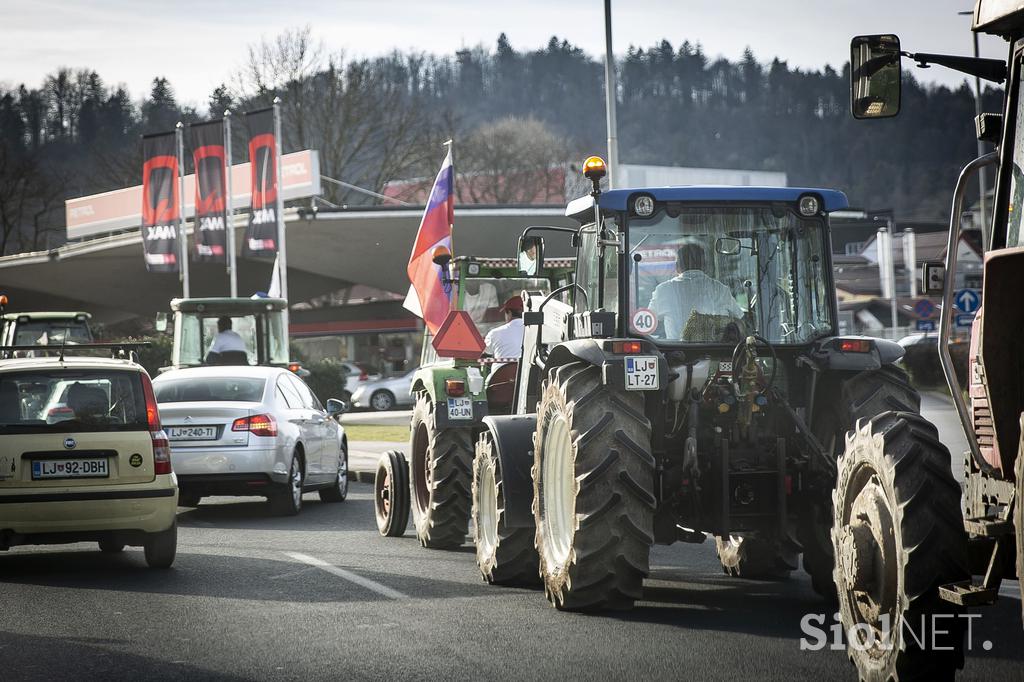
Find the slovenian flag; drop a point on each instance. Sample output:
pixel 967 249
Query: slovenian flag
pixel 428 289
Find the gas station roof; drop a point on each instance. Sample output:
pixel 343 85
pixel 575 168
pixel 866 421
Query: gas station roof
pixel 327 251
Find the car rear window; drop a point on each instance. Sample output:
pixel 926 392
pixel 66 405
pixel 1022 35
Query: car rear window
pixel 71 400
pixel 210 389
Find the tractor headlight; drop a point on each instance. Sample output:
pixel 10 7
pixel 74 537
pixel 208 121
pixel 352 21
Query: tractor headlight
pixel 643 206
pixel 809 205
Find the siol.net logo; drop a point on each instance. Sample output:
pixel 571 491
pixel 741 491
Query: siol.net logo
pixel 926 632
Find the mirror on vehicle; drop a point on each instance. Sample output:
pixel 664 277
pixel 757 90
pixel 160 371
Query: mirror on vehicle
pixel 728 246
pixel 161 322
pixel 336 407
pixel 875 76
pixel 933 277
pixel 531 256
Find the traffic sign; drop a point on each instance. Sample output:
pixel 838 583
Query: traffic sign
pixel 967 300
pixel 458 337
pixel 965 320
pixel 924 308
pixel 925 325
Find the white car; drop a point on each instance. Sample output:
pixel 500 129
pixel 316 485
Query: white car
pixel 355 375
pixel 384 394
pixel 238 430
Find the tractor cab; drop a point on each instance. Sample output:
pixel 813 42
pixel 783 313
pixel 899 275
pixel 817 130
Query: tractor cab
pixel 706 266
pixel 43 328
pixel 259 322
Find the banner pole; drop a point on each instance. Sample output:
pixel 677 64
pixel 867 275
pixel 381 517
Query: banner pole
pixel 229 209
pixel 282 269
pixel 182 237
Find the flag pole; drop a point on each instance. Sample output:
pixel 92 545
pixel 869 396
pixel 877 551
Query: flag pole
pixel 453 302
pixel 281 245
pixel 229 209
pixel 182 237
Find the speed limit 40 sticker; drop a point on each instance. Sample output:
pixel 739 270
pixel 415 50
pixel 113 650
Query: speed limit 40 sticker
pixel 644 321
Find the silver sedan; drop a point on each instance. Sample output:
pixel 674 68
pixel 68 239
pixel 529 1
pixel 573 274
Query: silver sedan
pixel 384 394
pixel 252 431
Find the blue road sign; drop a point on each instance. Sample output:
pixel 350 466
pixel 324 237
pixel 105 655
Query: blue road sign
pixel 925 325
pixel 967 300
pixel 924 308
pixel 965 320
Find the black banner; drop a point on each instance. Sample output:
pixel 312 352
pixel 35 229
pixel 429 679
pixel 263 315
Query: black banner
pixel 211 191
pixel 261 235
pixel 160 202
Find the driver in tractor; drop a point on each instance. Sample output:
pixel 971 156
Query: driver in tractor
pixel 228 346
pixel 690 293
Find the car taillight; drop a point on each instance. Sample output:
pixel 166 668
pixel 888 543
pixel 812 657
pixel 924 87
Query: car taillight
pixel 161 453
pixel 363 376
pixel 59 412
pixel 152 411
pixel 257 425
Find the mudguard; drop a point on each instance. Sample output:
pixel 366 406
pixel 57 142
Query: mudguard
pixel 882 352
pixel 512 436
pixel 596 352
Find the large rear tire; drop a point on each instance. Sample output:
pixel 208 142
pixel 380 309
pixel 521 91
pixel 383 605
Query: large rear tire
pixel 860 396
pixel 505 556
pixel 593 477
pixel 898 535
pixel 391 494
pixel 440 479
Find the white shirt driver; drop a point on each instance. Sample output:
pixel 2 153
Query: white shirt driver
pixel 228 340
pixel 674 300
pixel 506 341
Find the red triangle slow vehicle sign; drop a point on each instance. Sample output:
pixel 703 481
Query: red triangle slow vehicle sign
pixel 458 337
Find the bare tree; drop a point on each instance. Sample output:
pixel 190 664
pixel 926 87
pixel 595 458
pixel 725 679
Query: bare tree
pixel 513 160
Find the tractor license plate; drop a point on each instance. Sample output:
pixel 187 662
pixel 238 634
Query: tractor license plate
pixel 642 373
pixel 460 408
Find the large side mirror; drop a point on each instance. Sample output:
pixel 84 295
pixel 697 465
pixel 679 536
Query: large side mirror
pixel 336 408
pixel 161 322
pixel 728 246
pixel 933 277
pixel 875 76
pixel 531 256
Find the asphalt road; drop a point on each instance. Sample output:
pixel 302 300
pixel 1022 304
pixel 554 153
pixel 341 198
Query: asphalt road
pixel 323 596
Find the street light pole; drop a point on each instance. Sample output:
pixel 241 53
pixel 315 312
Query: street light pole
pixel 609 96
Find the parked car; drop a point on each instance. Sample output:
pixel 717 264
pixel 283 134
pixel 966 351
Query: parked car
pixel 384 394
pixel 356 375
pixel 237 430
pixel 97 470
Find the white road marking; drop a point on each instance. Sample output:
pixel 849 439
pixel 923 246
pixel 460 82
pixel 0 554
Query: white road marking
pixel 371 585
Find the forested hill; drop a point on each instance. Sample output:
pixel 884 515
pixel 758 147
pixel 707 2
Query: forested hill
pixel 381 119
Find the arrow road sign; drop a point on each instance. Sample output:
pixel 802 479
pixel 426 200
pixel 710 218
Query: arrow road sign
pixel 967 300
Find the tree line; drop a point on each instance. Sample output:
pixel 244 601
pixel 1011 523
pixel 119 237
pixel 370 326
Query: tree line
pixel 513 114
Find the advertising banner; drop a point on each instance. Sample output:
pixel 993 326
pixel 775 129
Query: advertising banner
pixel 261 234
pixel 208 157
pixel 160 212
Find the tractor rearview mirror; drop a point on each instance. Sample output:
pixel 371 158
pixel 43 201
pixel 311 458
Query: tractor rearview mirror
pixel 161 322
pixel 531 256
pixel 875 76
pixel 728 246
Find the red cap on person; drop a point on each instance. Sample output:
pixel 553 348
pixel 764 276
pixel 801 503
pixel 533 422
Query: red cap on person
pixel 512 305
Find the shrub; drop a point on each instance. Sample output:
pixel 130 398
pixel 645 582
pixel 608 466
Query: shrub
pixel 326 379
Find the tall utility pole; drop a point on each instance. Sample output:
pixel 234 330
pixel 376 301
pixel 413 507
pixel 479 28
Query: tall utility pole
pixel 609 96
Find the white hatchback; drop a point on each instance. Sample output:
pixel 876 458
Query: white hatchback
pixel 252 431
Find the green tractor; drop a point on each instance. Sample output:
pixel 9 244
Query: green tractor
pixel 259 321
pixel 453 396
pixel 47 328
pixel 696 386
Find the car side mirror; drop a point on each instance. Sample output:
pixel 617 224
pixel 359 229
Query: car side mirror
pixel 728 246
pixel 875 76
pixel 531 256
pixel 933 277
pixel 336 408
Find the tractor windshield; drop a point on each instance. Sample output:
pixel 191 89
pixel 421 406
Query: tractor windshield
pixel 716 274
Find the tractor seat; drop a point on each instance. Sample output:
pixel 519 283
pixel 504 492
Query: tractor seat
pixel 501 388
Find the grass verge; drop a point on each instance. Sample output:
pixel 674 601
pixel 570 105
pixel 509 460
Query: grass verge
pixel 394 434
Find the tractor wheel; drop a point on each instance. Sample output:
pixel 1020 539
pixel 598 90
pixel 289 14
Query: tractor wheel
pixel 391 494
pixel 752 557
pixel 440 479
pixel 861 396
pixel 593 477
pixel 505 556
pixel 898 535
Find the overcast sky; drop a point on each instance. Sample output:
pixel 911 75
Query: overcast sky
pixel 196 44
